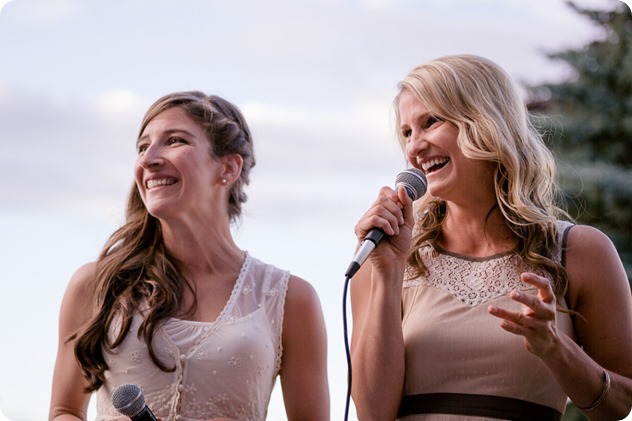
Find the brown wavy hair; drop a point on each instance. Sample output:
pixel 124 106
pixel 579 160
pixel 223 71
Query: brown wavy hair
pixel 135 268
pixel 479 98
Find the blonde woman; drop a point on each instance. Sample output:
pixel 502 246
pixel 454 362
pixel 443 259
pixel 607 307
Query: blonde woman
pixel 483 302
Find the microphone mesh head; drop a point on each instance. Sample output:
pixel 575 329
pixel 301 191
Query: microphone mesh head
pixel 414 181
pixel 128 400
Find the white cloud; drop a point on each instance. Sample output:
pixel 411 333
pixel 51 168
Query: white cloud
pixel 2 4
pixel 380 4
pixel 44 12
pixel 288 115
pixel 369 115
pixel 57 151
pixel 120 103
pixel 2 416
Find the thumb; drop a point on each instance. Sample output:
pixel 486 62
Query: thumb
pixel 407 209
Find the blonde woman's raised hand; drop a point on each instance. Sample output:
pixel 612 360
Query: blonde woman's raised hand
pixel 537 320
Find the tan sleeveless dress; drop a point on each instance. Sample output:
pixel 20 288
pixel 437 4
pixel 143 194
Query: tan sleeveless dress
pixel 454 348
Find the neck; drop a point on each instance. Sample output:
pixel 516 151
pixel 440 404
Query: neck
pixel 478 232
pixel 202 247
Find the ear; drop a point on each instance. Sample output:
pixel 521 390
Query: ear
pixel 232 165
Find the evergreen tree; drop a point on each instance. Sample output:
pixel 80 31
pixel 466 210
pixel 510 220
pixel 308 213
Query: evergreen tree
pixel 589 126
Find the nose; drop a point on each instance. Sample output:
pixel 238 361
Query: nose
pixel 415 144
pixel 151 157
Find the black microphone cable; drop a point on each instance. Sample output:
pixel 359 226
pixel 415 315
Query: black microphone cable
pixel 347 347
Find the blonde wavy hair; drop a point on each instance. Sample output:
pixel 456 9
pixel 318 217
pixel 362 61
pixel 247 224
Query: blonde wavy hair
pixel 479 98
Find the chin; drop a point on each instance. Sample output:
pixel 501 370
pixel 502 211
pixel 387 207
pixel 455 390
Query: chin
pixel 158 210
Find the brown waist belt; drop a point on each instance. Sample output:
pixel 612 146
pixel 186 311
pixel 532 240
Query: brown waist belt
pixel 477 405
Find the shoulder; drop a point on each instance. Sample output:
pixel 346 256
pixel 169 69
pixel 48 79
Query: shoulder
pixel 304 339
pixel 302 305
pixel 300 293
pixel 592 262
pixel 302 313
pixel 77 299
pixel 264 270
pixel 82 281
pixel 586 245
pixel 599 292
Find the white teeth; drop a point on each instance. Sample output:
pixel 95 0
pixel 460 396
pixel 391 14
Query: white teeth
pixel 436 161
pixel 155 182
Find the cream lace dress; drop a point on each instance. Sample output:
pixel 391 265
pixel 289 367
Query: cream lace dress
pixel 452 344
pixel 227 368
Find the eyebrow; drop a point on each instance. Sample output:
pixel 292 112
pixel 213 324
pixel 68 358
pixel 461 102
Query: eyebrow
pixel 421 117
pixel 167 133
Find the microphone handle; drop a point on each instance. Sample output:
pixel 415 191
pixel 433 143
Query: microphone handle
pixel 144 415
pixel 375 235
pixel 370 242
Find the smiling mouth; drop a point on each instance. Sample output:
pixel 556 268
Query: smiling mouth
pixel 434 164
pixel 158 182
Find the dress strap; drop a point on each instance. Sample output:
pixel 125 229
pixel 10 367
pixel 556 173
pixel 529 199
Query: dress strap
pixel 565 231
pixel 477 405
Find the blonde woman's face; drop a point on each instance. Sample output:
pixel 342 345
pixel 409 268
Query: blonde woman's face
pixel 431 146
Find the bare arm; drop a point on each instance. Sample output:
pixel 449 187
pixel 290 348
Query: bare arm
pixel 68 400
pixel 600 293
pixel 304 367
pixel 377 345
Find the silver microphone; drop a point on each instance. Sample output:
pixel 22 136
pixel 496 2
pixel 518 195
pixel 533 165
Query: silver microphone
pixel 415 183
pixel 129 401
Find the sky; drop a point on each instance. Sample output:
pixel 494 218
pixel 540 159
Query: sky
pixel 315 80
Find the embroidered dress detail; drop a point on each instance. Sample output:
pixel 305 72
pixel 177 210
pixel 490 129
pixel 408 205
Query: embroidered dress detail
pixel 473 281
pixel 226 368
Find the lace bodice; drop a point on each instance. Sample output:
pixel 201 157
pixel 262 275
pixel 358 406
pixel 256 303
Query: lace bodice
pixel 477 280
pixel 473 281
pixel 226 368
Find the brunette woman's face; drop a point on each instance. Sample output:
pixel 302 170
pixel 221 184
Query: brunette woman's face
pixel 175 172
